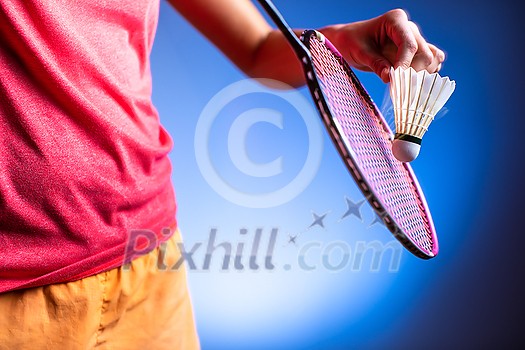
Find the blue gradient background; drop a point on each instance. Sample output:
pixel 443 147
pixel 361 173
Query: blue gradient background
pixel 471 169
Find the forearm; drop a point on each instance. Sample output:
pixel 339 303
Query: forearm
pixel 238 29
pixel 243 35
pixel 275 59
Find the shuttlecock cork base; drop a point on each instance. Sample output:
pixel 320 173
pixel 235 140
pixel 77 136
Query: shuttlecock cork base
pixel 406 147
pixel 416 98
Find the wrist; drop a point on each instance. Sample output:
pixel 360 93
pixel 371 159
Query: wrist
pixel 332 33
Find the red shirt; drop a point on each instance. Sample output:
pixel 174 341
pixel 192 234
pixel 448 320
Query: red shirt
pixel 83 158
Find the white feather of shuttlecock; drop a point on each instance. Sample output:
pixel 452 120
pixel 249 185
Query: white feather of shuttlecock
pixel 416 98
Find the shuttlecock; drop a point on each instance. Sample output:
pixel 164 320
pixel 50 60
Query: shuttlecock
pixel 416 98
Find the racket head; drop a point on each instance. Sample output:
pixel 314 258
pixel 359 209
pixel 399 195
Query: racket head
pixel 364 140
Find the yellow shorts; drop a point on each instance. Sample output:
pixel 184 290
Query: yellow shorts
pixel 140 306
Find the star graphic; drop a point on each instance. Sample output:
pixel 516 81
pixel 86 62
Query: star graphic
pixel 318 220
pixel 292 239
pixel 353 209
pixel 377 220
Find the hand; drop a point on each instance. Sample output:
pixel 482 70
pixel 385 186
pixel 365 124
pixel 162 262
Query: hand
pixel 385 41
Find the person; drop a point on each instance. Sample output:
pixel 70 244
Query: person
pixel 84 167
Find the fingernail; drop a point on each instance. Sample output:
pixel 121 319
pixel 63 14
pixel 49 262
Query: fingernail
pixel 385 74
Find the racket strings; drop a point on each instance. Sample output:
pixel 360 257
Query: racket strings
pixel 370 146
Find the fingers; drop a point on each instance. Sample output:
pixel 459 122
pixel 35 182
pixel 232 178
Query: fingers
pixel 412 48
pixel 428 56
pixel 400 31
pixel 390 40
pixel 424 56
pixel 437 59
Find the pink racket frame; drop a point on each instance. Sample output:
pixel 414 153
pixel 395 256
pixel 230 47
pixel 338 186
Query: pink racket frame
pixel 423 245
pixel 343 148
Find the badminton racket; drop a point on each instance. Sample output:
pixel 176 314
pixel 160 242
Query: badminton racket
pixel 363 139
